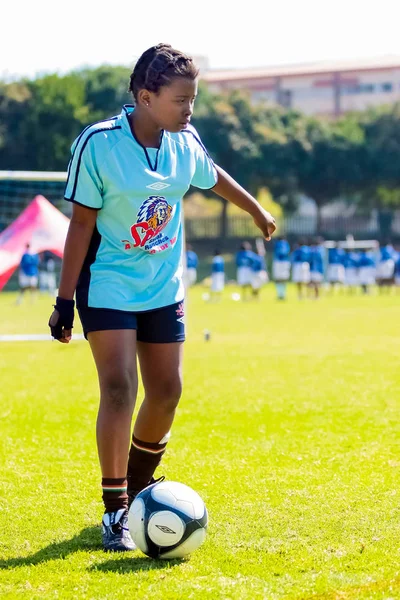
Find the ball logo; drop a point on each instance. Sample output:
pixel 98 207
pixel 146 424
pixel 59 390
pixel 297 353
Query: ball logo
pixel 165 529
pixel 153 216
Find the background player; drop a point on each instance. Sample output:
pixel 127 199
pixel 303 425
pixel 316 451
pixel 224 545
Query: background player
pixel 259 275
pixel 281 266
pixel 335 271
pixel 366 271
pixel 350 263
pixel 192 261
pixel 385 267
pixel 123 256
pixel 397 273
pixel 244 259
pixel 28 276
pixel 217 276
pixel 301 267
pixel 317 255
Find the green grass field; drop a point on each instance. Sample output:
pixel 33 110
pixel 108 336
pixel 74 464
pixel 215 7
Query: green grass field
pixel 288 428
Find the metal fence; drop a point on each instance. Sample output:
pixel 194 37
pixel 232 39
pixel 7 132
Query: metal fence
pixel 372 225
pixel 16 194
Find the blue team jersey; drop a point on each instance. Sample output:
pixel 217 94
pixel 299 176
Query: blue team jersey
pixel 387 253
pixel 397 266
pixel 366 260
pixel 218 264
pixel 350 260
pixel 317 259
pixel 134 261
pixel 191 259
pixel 244 258
pixel 335 256
pixel 281 250
pixel 301 254
pixel 257 263
pixel 29 264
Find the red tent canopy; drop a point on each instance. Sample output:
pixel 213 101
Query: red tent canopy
pixel 41 225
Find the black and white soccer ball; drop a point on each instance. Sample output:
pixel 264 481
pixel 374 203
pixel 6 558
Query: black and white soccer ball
pixel 168 520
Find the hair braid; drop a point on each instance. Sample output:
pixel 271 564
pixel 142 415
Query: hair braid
pixel 157 66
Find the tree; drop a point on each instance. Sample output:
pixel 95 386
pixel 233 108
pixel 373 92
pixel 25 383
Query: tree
pixel 106 90
pixel 224 123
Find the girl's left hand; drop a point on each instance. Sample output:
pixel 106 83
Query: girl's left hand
pixel 266 222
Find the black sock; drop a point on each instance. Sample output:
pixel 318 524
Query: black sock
pixel 114 493
pixel 144 458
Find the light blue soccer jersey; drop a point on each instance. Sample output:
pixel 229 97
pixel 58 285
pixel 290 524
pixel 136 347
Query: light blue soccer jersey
pixel 134 261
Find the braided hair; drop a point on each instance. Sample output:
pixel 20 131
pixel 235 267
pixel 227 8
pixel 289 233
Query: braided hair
pixel 158 66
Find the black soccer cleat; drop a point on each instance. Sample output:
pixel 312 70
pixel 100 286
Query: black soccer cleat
pixel 133 493
pixel 115 532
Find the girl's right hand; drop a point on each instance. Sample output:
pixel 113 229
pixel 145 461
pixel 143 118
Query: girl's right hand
pixel 266 222
pixel 62 320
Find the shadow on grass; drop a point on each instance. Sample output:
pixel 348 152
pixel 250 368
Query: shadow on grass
pixel 87 540
pixel 128 563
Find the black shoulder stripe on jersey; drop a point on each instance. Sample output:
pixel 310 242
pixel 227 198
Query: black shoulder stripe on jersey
pixel 198 140
pixel 80 158
pixel 80 137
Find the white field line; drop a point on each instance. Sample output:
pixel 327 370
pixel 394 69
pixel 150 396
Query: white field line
pixel 34 337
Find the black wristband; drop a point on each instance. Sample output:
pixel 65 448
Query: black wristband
pixel 66 311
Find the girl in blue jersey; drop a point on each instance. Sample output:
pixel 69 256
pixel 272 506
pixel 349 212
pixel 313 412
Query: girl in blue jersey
pixel 335 272
pixel 397 272
pixel 217 275
pixel 386 267
pixel 316 260
pixel 351 278
pixel 366 271
pixel 301 267
pixel 123 260
pixel 281 266
pixel 192 260
pixel 244 258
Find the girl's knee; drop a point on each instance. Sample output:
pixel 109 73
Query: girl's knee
pixel 118 389
pixel 166 392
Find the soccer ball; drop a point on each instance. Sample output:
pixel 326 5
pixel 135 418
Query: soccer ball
pixel 168 520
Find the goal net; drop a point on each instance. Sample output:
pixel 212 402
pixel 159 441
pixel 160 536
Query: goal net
pixel 19 188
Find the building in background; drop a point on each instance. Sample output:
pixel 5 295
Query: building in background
pixel 325 89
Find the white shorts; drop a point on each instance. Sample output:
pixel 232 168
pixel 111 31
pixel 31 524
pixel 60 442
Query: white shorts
pixel 351 276
pixel 217 282
pixel 43 279
pixel 27 281
pixel 385 269
pixel 51 281
pixel 281 270
pixel 191 276
pixel 316 277
pixel 366 275
pixel 335 273
pixel 244 275
pixel 301 272
pixel 259 279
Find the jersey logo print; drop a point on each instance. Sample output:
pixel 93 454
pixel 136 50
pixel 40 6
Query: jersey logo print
pixel 180 313
pixel 153 215
pixel 158 185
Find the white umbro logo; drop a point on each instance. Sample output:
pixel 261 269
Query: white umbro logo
pixel 158 185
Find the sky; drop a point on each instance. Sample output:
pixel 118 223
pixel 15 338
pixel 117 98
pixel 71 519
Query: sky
pixel 52 36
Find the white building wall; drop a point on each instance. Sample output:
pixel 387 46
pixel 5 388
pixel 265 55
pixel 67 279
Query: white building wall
pixel 314 94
